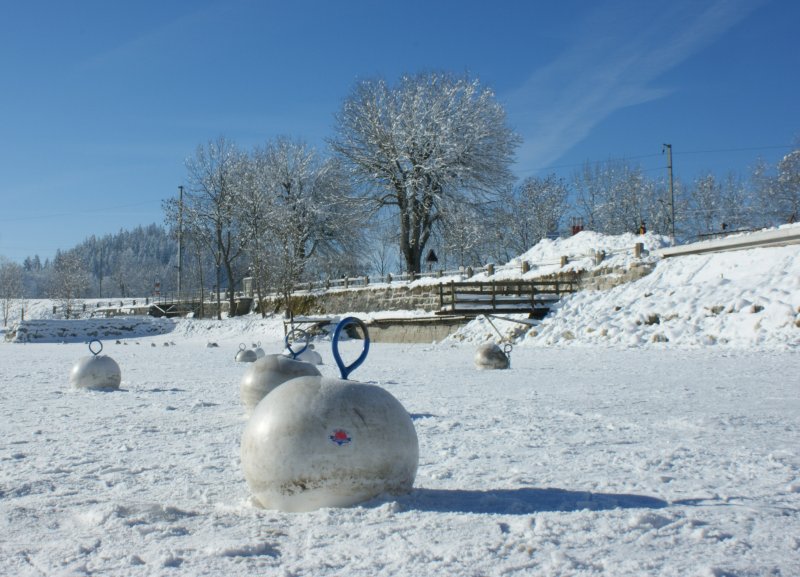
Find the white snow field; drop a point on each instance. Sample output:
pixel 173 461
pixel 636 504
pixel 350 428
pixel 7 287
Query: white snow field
pixel 617 455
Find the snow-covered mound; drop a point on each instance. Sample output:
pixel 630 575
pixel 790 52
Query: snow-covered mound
pixel 81 330
pixel 580 250
pixel 746 299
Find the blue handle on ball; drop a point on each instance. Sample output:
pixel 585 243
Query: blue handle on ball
pixel 100 350
pixel 302 334
pixel 345 370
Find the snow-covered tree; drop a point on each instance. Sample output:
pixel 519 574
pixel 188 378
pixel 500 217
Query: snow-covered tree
pixel 210 205
pixel 430 137
pixel 69 282
pixel 464 232
pixel 716 206
pixel 533 211
pixel 292 200
pixel 706 204
pixel 779 193
pixel 10 287
pixel 615 197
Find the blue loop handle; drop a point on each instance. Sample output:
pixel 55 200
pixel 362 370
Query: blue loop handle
pixel 100 350
pixel 303 334
pixel 345 370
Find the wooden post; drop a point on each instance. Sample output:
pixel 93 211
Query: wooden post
pixel 468 272
pixel 388 278
pixel 637 250
pixel 441 296
pixel 366 280
pixel 346 282
pixel 490 269
pixel 564 260
pixel 599 256
pixel 526 266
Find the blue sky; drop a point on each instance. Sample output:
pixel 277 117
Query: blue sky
pixel 103 101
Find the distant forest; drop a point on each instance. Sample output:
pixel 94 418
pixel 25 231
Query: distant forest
pixel 130 263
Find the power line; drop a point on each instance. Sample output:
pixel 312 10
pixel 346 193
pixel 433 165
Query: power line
pixel 638 157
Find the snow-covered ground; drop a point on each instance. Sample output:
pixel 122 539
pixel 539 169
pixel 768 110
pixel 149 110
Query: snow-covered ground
pixel 608 452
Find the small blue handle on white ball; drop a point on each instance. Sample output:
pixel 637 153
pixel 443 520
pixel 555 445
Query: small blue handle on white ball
pixel 100 350
pixel 302 334
pixel 345 370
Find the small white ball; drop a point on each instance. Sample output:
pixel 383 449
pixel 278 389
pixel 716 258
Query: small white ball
pixel 246 356
pixel 324 442
pixel 309 355
pixel 267 373
pixel 491 356
pixel 97 372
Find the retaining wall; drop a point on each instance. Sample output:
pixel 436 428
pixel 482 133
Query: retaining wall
pixel 401 297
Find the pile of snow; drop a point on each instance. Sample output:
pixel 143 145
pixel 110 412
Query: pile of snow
pixel 743 299
pixel 580 249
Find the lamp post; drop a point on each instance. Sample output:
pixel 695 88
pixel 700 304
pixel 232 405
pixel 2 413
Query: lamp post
pixel 180 238
pixel 668 148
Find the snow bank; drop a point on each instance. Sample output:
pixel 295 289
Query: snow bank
pixel 743 299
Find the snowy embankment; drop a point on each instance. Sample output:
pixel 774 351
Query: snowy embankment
pixel 743 299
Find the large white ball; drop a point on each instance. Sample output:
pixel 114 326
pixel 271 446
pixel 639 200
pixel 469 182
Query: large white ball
pixel 490 356
pixel 267 373
pixel 324 442
pixel 98 372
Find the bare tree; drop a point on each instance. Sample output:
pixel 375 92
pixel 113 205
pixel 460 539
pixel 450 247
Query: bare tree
pixel 706 204
pixel 70 281
pixel 715 206
pixel 463 233
pixel 304 211
pixel 615 197
pixel 430 137
pixel 534 211
pixel 209 208
pixel 290 213
pixel 10 286
pixel 779 193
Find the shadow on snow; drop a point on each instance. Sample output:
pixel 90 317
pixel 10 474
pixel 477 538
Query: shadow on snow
pixel 522 501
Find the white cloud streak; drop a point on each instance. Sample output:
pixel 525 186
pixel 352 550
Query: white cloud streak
pixel 611 65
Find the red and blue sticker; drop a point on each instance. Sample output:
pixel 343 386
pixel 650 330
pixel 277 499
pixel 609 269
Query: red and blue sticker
pixel 340 437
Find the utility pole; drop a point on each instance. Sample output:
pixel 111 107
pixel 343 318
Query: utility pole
pixel 668 148
pixel 180 238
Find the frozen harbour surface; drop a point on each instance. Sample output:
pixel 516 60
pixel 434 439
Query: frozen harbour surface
pixel 653 429
pixel 576 461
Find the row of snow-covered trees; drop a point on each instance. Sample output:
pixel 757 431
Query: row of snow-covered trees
pixel 417 165
pixel 130 263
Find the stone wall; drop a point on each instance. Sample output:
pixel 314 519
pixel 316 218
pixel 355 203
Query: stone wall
pixel 400 297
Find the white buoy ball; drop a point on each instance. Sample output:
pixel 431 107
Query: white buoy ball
pixel 98 372
pixel 490 356
pixel 325 442
pixel 267 373
pixel 246 356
